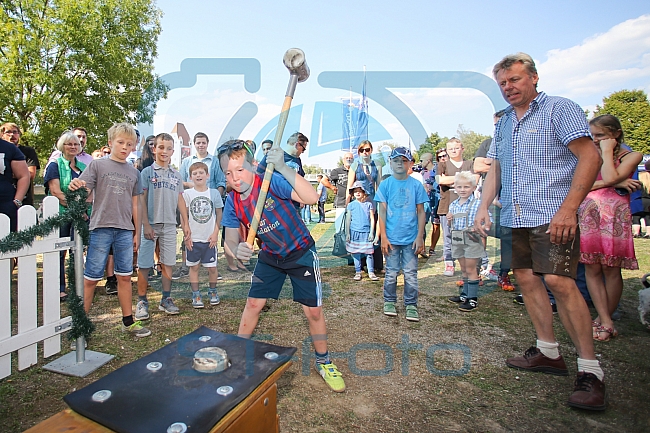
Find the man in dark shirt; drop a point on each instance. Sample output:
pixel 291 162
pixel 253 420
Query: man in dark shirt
pixel 339 177
pixel 11 132
pixel 296 145
pixel 12 169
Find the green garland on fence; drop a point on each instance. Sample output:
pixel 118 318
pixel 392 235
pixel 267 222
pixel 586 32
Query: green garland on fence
pixel 81 324
pixel 75 215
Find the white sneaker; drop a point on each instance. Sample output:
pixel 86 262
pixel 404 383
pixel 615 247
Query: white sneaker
pixel 449 271
pixel 142 310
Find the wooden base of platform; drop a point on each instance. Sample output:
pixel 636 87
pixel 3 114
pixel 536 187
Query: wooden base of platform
pixel 257 413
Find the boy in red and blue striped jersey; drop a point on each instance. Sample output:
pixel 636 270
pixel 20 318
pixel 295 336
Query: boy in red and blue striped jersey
pixel 287 246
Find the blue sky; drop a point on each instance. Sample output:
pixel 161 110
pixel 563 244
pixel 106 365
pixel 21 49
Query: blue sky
pixel 584 50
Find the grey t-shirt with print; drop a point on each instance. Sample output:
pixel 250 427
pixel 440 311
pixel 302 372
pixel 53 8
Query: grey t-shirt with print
pixel 163 187
pixel 113 184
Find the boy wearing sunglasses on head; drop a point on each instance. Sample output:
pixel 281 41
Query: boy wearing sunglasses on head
pixel 287 246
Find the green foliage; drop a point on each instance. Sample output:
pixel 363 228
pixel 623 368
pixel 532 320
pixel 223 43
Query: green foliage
pixel 66 63
pixel 432 144
pixel 471 141
pixel 633 110
pixel 312 169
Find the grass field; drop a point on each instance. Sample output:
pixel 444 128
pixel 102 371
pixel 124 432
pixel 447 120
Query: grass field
pixel 445 373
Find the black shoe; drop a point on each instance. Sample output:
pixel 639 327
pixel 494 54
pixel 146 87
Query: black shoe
pixel 111 286
pixel 469 305
pixel 519 299
pixel 457 299
pixel 554 308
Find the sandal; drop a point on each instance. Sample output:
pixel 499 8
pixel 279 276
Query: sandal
pixel 594 329
pixel 431 251
pixel 602 329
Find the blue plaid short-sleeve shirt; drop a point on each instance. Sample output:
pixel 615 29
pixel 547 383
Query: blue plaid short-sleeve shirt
pixel 537 166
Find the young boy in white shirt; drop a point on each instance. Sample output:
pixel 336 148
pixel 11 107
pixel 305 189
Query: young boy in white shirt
pixel 202 208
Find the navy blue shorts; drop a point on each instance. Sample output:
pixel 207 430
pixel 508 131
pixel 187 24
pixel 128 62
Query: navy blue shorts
pixel 303 269
pixel 203 254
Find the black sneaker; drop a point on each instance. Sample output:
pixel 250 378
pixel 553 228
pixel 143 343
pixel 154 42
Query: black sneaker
pixel 519 299
pixel 554 308
pixel 111 286
pixel 469 305
pixel 457 299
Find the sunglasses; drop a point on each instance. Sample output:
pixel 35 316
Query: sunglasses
pixel 364 150
pixel 442 155
pixel 235 145
pixel 302 144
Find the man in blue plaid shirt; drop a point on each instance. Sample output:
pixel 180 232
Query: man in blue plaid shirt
pixel 545 163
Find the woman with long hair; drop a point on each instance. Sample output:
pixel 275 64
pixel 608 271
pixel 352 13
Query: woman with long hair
pixel 606 243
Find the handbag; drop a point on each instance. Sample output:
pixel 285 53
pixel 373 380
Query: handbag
pixel 339 249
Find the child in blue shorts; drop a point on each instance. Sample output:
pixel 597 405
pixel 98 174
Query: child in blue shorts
pixel 202 209
pixel 113 222
pixel 287 246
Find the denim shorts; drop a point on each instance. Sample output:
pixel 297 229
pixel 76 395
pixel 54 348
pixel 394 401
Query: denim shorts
pixel 101 242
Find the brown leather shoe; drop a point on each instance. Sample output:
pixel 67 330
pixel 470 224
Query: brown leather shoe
pixel 534 360
pixel 589 393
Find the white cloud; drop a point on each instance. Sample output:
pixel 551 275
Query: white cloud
pixel 616 59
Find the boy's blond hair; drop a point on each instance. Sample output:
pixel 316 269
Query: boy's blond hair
pixel 466 176
pixel 121 129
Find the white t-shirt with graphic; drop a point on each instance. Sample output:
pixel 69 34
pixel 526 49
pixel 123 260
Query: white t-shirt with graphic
pixel 202 208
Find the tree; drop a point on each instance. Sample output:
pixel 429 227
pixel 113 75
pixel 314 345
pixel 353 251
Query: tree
pixel 312 169
pixel 633 110
pixel 433 143
pixel 66 63
pixel 471 141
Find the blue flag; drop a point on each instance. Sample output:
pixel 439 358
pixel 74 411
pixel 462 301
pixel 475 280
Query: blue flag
pixel 355 120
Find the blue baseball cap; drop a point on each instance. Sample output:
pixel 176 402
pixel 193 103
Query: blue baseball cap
pixel 401 151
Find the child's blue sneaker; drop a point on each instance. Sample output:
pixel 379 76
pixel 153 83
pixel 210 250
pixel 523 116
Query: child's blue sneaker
pixel 196 300
pixel 214 297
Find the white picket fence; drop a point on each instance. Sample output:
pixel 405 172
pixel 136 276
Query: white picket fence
pixel 29 333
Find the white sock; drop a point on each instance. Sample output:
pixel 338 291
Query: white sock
pixel 591 366
pixel 550 350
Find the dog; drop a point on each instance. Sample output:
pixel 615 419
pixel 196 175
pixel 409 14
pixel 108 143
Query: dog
pixel 644 301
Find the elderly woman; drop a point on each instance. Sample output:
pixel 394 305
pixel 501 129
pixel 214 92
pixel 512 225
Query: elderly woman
pixel 56 180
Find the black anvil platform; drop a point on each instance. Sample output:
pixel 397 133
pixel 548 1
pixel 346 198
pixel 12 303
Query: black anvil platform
pixel 144 400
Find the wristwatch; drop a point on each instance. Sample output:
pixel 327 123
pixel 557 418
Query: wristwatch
pixel 18 203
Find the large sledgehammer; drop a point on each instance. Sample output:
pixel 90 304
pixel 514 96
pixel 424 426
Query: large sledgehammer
pixel 294 60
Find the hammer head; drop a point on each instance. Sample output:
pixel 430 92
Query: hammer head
pixel 294 60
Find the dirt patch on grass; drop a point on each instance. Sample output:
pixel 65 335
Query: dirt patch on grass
pixel 445 373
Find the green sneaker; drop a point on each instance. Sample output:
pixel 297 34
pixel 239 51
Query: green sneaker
pixel 389 309
pixel 412 313
pixel 332 376
pixel 137 330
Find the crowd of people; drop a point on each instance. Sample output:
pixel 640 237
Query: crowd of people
pixel 560 193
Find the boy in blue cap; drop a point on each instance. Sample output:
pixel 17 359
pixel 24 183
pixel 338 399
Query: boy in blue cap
pixel 400 201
